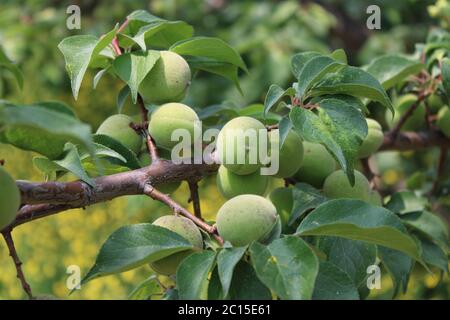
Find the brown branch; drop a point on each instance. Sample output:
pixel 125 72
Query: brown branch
pixel 411 141
pixel 151 145
pixel 193 188
pixel 18 264
pixel 164 198
pixel 394 132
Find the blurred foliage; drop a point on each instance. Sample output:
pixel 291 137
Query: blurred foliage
pixel 266 34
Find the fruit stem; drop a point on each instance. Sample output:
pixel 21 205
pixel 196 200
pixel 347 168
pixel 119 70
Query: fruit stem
pixel 18 264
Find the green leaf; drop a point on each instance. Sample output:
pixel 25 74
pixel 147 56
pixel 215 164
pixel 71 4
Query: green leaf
pixel 226 70
pixel 355 82
pixel 332 283
pixel 193 275
pixel 226 262
pixel 351 256
pixel 132 246
pixel 358 220
pixel 132 161
pixel 284 126
pixel 122 97
pixel 405 202
pixel 299 60
pixel 69 162
pixel 313 71
pixel 274 95
pixel 146 289
pixel 79 51
pixel 101 151
pixel 305 198
pixel 246 285
pixel 340 127
pixel 6 63
pixel 339 55
pixel 288 266
pixel 392 69
pixel 399 266
pixel 446 76
pixel 98 76
pixel 428 224
pixel 162 34
pixel 133 67
pixel 350 100
pixel 213 48
pixel 42 130
pixel 56 106
pixel 433 254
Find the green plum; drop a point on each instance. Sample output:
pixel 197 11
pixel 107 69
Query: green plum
pixel 118 127
pixel 282 199
pixel 185 228
pixel 231 184
pixel 9 199
pixel 443 121
pixel 373 141
pixel 167 81
pixel 246 218
pixel 317 164
pixel 290 156
pixel 337 186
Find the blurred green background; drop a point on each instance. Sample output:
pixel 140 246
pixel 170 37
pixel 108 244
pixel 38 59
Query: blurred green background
pixel 266 34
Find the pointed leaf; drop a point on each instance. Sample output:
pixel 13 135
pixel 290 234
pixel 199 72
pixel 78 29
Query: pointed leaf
pixel 79 51
pixel 274 95
pixel 193 275
pixel 340 127
pixel 133 67
pixel 358 220
pixel 399 266
pixel 287 266
pixel 305 198
pixel 355 82
pixel 132 246
pixel 333 283
pixel 392 69
pixel 6 63
pixel 227 260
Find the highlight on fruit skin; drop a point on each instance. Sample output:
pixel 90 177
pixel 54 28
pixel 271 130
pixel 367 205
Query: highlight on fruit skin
pixel 337 186
pixel 9 199
pixel 118 127
pixel 170 117
pixel 185 228
pixel 246 218
pixel 373 141
pixel 231 185
pixel 317 164
pixel 241 135
pixel 167 81
pixel 290 155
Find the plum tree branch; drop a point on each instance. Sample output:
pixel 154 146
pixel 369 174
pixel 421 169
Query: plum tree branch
pixel 17 263
pixel 194 197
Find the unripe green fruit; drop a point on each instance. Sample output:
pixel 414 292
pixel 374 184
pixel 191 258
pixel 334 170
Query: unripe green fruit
pixel 317 164
pixel 185 228
pixel 373 141
pixel 290 156
pixel 118 127
pixel 375 199
pixel 240 135
pixel 167 81
pixel 337 186
pixel 402 104
pixel 246 218
pixel 166 188
pixel 170 117
pixel 9 199
pixel 443 121
pixel 434 102
pixel 231 185
pixel 282 199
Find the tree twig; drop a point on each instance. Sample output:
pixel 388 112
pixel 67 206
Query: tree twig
pixel 164 198
pixel 194 197
pixel 440 169
pixel 18 264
